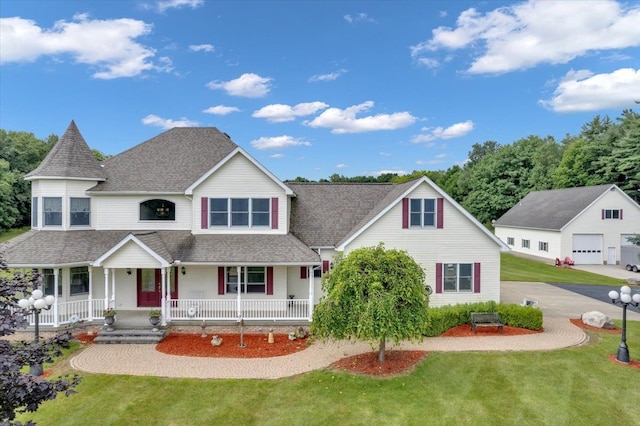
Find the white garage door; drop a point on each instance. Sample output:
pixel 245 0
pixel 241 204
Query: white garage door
pixel 587 249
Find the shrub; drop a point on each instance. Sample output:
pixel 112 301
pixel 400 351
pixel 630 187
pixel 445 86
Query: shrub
pixel 443 318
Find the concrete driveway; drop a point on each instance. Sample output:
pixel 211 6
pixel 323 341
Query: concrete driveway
pixel 615 271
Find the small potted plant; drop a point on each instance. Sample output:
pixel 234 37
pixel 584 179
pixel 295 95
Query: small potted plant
pixel 109 318
pixel 154 318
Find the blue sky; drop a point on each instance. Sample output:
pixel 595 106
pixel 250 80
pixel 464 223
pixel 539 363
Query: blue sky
pixel 316 88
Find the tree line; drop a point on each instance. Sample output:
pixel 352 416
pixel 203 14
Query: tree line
pixel 489 183
pixel 495 176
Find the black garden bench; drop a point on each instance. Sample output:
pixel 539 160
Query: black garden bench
pixel 486 319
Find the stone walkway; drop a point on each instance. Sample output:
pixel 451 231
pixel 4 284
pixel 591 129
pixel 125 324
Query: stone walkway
pixel 557 305
pixel 144 360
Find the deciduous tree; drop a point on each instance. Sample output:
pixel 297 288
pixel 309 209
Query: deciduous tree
pixel 373 294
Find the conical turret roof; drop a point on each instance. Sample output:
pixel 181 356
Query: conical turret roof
pixel 69 158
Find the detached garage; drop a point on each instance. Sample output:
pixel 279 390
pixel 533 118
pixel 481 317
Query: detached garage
pixel 587 249
pixel 587 224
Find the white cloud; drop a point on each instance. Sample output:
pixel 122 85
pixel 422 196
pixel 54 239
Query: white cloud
pixel 345 121
pixel 279 113
pixel 248 85
pixel 584 91
pixel 341 166
pixel 454 131
pixel 385 154
pixel 202 47
pixel 164 5
pixel 221 110
pixel 527 34
pixel 360 17
pixel 278 142
pixel 429 62
pixel 167 123
pixel 438 159
pixel 327 77
pixel 108 45
pixel 276 156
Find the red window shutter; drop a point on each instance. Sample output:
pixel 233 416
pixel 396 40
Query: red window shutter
pixel 204 212
pixel 325 266
pixel 220 279
pixel 438 277
pixel 620 214
pixel 269 280
pixel 440 213
pixel 405 213
pixel 476 278
pixel 274 213
pixel 303 272
pixel 603 213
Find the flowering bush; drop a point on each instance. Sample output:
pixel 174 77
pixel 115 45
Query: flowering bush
pixel 110 312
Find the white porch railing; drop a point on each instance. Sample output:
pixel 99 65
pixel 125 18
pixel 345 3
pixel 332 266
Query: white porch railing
pixel 211 309
pixel 82 309
pixel 186 309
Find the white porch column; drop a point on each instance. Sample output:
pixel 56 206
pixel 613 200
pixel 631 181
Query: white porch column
pixel 113 289
pixel 238 296
pixel 163 299
pixel 106 288
pixel 56 272
pixel 166 316
pixel 311 291
pixel 90 298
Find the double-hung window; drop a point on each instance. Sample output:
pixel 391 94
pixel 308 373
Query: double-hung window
pixel 422 212
pixel 34 212
pixel 52 207
pixel 525 243
pixel 543 246
pixel 457 277
pixel 510 241
pixel 239 212
pixel 255 282
pixel 79 280
pixel 48 281
pixel 80 211
pixel 612 214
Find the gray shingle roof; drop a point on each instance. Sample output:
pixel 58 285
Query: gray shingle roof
pixel 167 163
pixel 70 157
pixel 325 214
pixel 42 248
pixel 551 209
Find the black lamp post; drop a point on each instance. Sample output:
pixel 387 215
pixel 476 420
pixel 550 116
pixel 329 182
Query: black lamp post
pixel 36 303
pixel 625 300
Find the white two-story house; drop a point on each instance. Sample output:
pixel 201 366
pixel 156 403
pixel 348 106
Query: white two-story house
pixel 188 222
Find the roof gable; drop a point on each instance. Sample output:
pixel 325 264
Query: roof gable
pixel 152 245
pixel 552 209
pixel 238 151
pixel 405 192
pixel 70 158
pixel 168 163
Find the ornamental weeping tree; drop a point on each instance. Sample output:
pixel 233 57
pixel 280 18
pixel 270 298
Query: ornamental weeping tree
pixel 20 391
pixel 373 294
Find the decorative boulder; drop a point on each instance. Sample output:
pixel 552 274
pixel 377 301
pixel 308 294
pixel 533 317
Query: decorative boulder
pixel 598 320
pixel 216 341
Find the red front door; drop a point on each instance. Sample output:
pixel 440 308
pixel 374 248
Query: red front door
pixel 150 287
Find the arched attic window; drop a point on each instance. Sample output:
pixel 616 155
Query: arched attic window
pixel 157 209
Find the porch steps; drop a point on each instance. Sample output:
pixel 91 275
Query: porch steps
pixel 130 336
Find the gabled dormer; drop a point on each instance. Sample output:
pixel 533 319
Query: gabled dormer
pixel 58 185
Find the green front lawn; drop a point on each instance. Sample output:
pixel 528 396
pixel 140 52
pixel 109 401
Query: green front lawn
pixel 514 268
pixel 570 386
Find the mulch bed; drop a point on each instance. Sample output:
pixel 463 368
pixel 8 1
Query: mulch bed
pixel 464 330
pixel 256 345
pixel 396 363
pixel 578 323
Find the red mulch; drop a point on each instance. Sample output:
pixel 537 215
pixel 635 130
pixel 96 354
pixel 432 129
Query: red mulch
pixel 256 345
pixel 396 363
pixel 578 323
pixel 632 364
pixel 464 330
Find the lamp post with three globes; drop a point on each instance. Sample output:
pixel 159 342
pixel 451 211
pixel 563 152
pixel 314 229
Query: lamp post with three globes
pixel 625 300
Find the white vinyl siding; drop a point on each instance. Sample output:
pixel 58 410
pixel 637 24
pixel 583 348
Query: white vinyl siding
pixel 239 178
pixel 460 241
pixel 123 212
